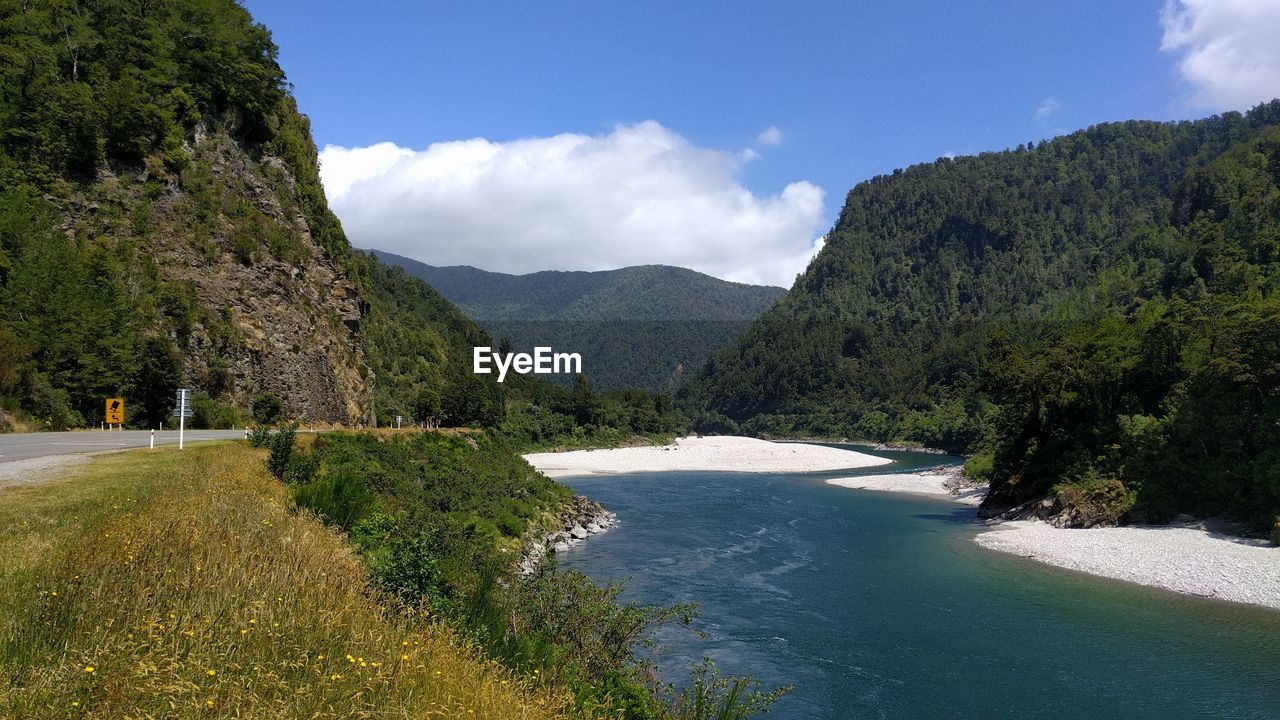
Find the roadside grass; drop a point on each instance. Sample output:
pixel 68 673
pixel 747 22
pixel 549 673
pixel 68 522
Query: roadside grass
pixel 155 584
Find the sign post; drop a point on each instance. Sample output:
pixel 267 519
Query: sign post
pixel 183 411
pixel 115 411
pixel 398 419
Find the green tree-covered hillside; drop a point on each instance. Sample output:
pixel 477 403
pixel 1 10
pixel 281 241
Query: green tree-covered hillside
pixel 1038 258
pixel 162 223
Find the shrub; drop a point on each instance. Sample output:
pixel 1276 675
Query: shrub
pixel 207 413
pixel 713 696
pixel 267 409
pixel 1092 502
pixel 259 437
pixel 52 405
pixel 341 499
pixel 411 570
pixel 302 468
pixel 280 446
pixel 979 467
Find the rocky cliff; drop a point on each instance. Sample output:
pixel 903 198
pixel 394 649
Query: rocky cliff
pixel 271 311
pixel 162 223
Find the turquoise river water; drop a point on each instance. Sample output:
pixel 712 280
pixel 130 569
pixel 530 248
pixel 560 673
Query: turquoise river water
pixel 880 605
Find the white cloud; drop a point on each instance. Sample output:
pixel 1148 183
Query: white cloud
pixel 640 194
pixel 1229 50
pixel 1047 107
pixel 769 136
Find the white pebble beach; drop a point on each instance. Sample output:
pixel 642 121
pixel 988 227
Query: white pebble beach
pixel 698 454
pixel 1183 559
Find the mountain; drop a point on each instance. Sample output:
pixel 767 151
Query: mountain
pixel 957 304
pixel 641 327
pixel 162 223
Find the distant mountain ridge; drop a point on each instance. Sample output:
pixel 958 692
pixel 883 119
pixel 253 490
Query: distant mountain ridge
pixel 643 326
pixel 640 292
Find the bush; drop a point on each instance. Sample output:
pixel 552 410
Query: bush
pixel 717 697
pixel 341 499
pixel 1092 502
pixel 280 446
pixel 267 409
pixel 979 467
pixel 52 405
pixel 207 413
pixel 302 468
pixel 412 572
pixel 259 437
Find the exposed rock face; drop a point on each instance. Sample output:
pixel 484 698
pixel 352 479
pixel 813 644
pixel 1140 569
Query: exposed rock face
pixel 581 519
pixel 263 308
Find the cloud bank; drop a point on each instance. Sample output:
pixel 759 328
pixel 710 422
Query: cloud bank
pixel 1229 50
pixel 640 194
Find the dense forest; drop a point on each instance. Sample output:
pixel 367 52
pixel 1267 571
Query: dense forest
pixel 645 327
pixel 997 304
pixel 1164 397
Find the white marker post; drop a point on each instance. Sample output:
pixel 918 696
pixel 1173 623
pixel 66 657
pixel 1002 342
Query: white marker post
pixel 153 440
pixel 398 418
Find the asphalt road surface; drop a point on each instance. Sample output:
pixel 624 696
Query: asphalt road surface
pixel 24 446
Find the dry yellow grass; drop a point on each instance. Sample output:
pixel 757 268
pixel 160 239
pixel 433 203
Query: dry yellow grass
pixel 158 584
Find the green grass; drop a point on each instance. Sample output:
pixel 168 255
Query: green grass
pixel 167 584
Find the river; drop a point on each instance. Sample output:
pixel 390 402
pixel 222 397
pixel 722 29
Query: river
pixel 879 605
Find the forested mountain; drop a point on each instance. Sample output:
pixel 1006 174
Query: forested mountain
pixel 162 223
pixel 644 326
pixel 1041 305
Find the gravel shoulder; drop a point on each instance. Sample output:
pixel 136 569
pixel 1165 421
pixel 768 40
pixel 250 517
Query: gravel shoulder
pixel 32 471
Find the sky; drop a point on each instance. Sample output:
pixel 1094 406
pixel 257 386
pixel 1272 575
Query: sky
pixel 716 135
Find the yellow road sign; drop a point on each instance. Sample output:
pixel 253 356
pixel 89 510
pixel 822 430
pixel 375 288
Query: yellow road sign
pixel 115 411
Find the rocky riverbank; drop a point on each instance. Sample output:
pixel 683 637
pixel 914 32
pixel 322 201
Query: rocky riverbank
pixel 579 520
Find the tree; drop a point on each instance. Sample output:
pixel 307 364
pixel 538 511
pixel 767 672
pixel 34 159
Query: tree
pixel 426 406
pixel 155 380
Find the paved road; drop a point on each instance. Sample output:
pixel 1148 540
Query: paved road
pixel 24 446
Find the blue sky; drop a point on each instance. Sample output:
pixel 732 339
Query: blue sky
pixel 853 90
